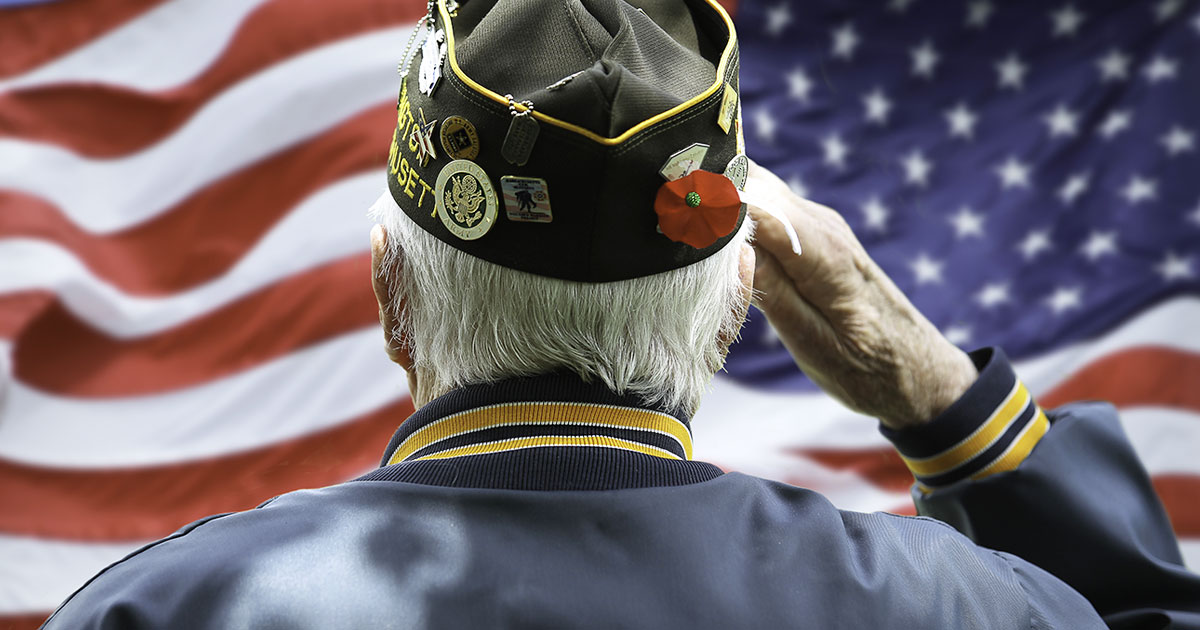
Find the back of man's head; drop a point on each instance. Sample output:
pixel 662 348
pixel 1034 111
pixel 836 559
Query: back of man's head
pixel 578 208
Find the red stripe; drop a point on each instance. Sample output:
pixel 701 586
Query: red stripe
pixel 1139 376
pixel 298 311
pixel 36 34
pixel 23 622
pixel 204 235
pixel 106 121
pixel 880 466
pixel 148 503
pixel 19 309
pixel 1180 494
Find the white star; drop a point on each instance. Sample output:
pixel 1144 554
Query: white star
pixel 926 269
pixel 900 6
pixel 778 18
pixel 916 168
pixel 957 334
pixel 1116 122
pixel 993 295
pixel 1012 72
pixel 1013 174
pixel 962 121
pixel 876 214
pixel 1139 189
pixel 878 106
pixel 1178 140
pixel 1064 299
pixel 1075 185
pixel 967 223
pixel 1175 267
pixel 797 186
pixel 978 13
pixel 1099 245
pixel 845 40
pixel 1114 66
pixel 924 58
pixel 1194 217
pixel 1034 243
pixel 835 151
pixel 1167 9
pixel 1066 21
pixel 1062 121
pixel 764 124
pixel 799 85
pixel 1160 69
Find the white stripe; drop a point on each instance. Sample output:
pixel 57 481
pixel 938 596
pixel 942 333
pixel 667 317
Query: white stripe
pixel 308 390
pixel 267 112
pixel 1166 440
pixel 38 574
pixel 1191 553
pixel 161 48
pixel 746 422
pixel 1171 324
pixel 337 213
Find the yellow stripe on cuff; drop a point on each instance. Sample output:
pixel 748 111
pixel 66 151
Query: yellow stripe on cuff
pixel 1020 449
pixel 983 437
pixel 550 440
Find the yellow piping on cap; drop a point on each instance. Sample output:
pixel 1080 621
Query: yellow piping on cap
pixel 591 135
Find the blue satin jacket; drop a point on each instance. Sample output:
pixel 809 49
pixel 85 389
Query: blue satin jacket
pixel 552 503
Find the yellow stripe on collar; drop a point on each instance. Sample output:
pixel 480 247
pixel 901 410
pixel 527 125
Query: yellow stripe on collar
pixel 551 440
pixel 548 413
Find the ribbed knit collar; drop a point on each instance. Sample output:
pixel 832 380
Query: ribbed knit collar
pixel 545 432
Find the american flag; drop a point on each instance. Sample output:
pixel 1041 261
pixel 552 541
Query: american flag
pixel 186 323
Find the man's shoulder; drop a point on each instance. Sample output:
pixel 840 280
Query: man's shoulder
pixel 363 552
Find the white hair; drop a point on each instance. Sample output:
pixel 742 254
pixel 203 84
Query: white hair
pixel 470 321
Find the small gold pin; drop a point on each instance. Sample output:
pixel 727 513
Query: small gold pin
pixel 728 108
pixel 459 138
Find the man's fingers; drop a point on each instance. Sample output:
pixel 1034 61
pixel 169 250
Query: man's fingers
pixel 771 233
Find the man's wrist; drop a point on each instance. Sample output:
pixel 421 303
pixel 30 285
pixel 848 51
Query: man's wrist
pixel 990 429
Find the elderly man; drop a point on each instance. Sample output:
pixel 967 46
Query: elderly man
pixel 560 274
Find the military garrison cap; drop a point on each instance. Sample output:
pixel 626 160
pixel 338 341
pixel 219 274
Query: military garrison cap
pixel 589 140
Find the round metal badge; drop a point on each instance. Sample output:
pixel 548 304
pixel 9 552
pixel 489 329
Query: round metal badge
pixel 459 138
pixel 737 170
pixel 465 200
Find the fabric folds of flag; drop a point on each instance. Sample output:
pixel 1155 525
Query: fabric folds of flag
pixel 186 320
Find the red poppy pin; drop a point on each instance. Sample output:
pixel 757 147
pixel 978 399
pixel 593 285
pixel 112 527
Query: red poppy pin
pixel 698 209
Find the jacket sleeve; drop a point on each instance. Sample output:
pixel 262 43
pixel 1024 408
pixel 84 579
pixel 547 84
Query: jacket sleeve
pixel 1062 490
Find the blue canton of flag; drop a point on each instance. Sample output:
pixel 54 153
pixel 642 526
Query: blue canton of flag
pixel 1027 173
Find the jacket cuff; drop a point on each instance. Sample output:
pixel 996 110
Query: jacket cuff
pixel 991 429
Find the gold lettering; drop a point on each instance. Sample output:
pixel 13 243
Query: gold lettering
pixel 424 189
pixel 393 156
pixel 412 177
pixel 402 173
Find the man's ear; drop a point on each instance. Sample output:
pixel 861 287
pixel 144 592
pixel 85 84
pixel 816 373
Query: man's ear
pixel 386 298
